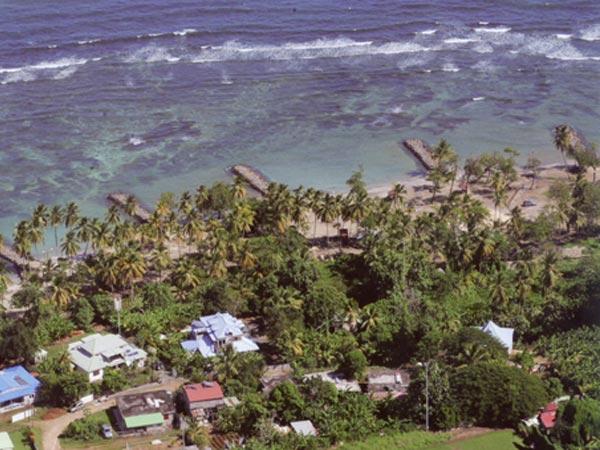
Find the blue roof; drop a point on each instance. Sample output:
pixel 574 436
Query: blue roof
pixel 16 382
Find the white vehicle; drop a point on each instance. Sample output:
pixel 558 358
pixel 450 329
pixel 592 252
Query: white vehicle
pixel 81 403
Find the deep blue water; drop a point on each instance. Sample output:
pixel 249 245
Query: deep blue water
pixel 147 96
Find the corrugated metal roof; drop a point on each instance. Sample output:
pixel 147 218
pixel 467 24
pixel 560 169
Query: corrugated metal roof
pixel 5 441
pixel 144 420
pixel 16 382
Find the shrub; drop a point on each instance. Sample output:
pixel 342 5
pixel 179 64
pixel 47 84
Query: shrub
pixel 354 364
pixel 84 429
pixel 495 395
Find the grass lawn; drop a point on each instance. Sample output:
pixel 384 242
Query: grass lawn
pixel 413 440
pixel 20 441
pixel 496 440
pixel 115 443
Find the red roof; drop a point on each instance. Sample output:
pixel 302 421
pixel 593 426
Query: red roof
pixel 202 392
pixel 548 415
pixel 551 407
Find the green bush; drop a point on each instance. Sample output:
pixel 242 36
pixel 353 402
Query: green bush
pixel 496 395
pixel 85 429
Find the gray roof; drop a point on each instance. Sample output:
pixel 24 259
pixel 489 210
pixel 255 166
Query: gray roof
pixel 304 428
pixel 95 352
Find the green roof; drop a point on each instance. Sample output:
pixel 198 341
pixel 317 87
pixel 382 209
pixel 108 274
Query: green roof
pixel 144 420
pixel 5 441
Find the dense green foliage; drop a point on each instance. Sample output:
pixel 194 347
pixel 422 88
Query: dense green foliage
pixel 413 288
pixel 575 356
pixel 496 395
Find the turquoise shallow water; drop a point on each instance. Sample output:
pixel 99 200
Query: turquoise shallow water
pixel 146 96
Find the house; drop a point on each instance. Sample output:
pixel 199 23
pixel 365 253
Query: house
pixel 17 388
pixel 5 441
pixel 149 412
pixel 340 382
pixel 547 416
pixel 210 334
pixel 97 352
pixel 304 428
pixel 203 399
pixel 275 375
pixel 383 382
pixel 503 335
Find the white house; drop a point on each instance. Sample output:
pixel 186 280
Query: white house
pixel 97 352
pixel 210 334
pixel 502 335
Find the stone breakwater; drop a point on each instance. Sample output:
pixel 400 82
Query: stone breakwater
pixel 421 151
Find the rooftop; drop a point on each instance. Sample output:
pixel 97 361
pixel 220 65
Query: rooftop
pixel 338 379
pixel 97 351
pixel 202 392
pixel 5 441
pixel 304 428
pixel 503 335
pixel 16 382
pixel 145 404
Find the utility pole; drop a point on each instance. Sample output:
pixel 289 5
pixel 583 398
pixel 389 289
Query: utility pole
pixel 426 366
pixel 118 305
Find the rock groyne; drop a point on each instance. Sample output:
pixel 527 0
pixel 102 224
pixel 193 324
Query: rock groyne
pixel 253 177
pixel 421 151
pixel 130 205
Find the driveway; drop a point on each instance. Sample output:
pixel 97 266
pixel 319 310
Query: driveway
pixel 52 429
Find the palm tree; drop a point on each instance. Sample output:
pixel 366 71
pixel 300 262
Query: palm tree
pixel 397 194
pixel 132 266
pixel 160 258
pixel 71 214
pixel 130 205
pixel 563 140
pixel 227 364
pixel 55 218
pixel 70 245
pixel 328 211
pixel 113 217
pixel 62 293
pixel 185 276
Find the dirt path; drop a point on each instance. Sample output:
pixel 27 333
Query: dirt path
pixel 51 429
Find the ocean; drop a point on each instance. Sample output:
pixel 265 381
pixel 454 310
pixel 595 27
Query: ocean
pixel 146 96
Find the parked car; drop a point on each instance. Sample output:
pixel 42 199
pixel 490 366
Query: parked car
pixel 77 406
pixel 107 431
pixel 528 203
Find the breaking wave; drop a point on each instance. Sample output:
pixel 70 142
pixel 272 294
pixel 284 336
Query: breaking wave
pixel 321 48
pixel 58 69
pixel 492 29
pixel 591 34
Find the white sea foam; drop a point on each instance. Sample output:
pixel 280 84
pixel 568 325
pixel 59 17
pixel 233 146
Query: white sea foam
pixel 591 33
pixel 185 32
pixel 460 40
pixel 478 99
pixel 564 37
pixel 16 77
pixel 449 67
pixel 45 65
pixel 52 46
pixel 65 73
pixel 427 32
pixel 152 54
pixel 397 110
pixel 553 48
pixel 88 41
pixel 135 141
pixel 483 22
pixel 483 47
pixel 225 78
pixel 492 29
pixel 321 48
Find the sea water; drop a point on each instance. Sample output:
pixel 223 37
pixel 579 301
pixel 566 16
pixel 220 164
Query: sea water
pixel 146 96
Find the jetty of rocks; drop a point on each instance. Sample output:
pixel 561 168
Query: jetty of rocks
pixel 253 177
pixel 10 254
pixel 121 200
pixel 421 151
